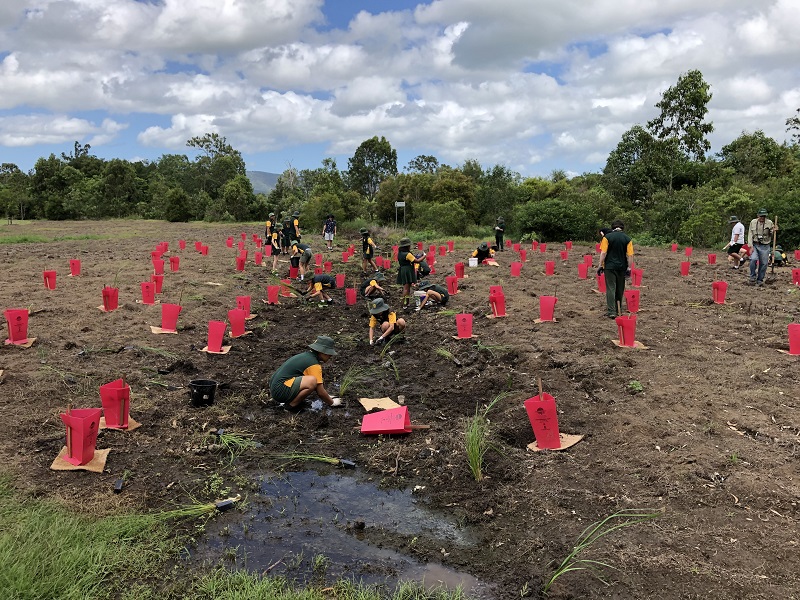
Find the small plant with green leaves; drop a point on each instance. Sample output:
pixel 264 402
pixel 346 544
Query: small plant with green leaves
pixel 635 387
pixel 476 437
pixel 356 377
pixel 734 458
pixel 444 353
pixel 590 536
pixel 233 443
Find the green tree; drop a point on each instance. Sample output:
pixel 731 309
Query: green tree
pixel 454 186
pixel 423 164
pixel 15 197
pixel 373 161
pixel 448 218
pixel 120 189
pixel 177 206
pixel 637 167
pixel 793 127
pixel 755 156
pixel 681 124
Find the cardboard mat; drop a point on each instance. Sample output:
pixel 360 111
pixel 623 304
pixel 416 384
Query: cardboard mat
pixel 382 403
pixel 541 321
pixel 132 424
pixel 96 465
pixel 636 345
pixel 567 441
pixel 28 343
pixel 223 350
pixel 159 330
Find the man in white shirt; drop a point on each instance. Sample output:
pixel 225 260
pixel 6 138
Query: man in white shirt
pixel 734 247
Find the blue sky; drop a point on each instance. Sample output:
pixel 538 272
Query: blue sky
pixel 534 85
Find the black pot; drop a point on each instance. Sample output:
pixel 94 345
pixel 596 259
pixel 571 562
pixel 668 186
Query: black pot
pixel 202 391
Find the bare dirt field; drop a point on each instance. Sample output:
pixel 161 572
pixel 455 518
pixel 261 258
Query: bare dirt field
pixel 702 426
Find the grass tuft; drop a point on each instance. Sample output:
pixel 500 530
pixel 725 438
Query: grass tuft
pixel 476 437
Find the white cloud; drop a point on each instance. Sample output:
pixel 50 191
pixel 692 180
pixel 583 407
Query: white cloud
pixel 522 82
pixel 30 130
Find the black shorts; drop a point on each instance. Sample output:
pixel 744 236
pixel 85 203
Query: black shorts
pixel 734 249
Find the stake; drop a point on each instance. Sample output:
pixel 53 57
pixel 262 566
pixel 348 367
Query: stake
pixel 180 296
pixel 619 307
pixel 122 406
pixel 774 243
pixel 69 433
pixel 541 393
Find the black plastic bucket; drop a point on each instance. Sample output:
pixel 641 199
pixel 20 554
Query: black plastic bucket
pixel 202 392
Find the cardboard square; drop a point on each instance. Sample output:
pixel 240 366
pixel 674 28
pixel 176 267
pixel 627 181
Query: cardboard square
pixel 211 283
pixel 223 350
pixel 550 321
pixel 382 403
pixel 567 440
pixel 158 330
pixel 103 309
pixel 636 345
pixel 597 291
pixel 455 337
pixel 786 352
pixel 131 425
pixel 496 316
pixel 244 334
pixel 250 317
pixel 28 343
pixel 96 465
pixel 156 301
pixel 387 422
pixel 2 376
pixel 491 263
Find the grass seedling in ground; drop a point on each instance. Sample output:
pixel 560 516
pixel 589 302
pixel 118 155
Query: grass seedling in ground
pixel 158 352
pixel 444 352
pixel 356 377
pixel 590 535
pixel 233 443
pixel 476 437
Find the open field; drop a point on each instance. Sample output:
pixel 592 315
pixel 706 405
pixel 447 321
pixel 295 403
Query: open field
pixel 701 427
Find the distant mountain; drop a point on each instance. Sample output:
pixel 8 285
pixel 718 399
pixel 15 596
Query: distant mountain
pixel 263 182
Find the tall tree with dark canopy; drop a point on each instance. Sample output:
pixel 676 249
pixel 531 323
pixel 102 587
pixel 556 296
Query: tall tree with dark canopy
pixel 374 161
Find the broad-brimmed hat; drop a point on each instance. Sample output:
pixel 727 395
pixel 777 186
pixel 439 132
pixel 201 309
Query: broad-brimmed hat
pixel 296 214
pixel 404 242
pixel 762 212
pixel 377 277
pixel 378 307
pixel 271 214
pixel 779 248
pixel 484 246
pixel 278 226
pixel 424 285
pixel 733 219
pixel 500 219
pixel 363 231
pixel 329 216
pixel 324 345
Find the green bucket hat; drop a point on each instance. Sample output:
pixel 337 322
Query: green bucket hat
pixel 500 220
pixel 762 212
pixel 323 344
pixel 377 277
pixel 278 226
pixel 363 231
pixel 484 246
pixel 271 214
pixel 733 219
pixel 404 242
pixel 424 285
pixel 295 214
pixel 378 307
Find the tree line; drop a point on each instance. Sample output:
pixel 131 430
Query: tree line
pixel 659 179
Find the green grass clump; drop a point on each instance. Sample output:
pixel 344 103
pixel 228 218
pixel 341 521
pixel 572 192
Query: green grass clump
pixel 22 239
pixel 590 536
pixel 476 437
pixel 48 552
pixel 356 377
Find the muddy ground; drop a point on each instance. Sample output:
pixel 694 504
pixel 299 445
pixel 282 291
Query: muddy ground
pixel 702 425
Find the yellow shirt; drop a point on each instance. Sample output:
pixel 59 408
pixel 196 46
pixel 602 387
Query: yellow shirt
pixel 315 370
pixel 373 321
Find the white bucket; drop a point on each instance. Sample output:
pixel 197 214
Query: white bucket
pixel 473 262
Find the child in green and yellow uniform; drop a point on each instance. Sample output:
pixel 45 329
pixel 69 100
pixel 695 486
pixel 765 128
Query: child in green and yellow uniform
pixel 483 252
pixel 269 225
pixel 319 283
pixel 406 276
pixel 301 256
pixel 371 286
pixel 286 241
pixel 433 293
pixel 301 375
pixel 367 251
pixel 384 318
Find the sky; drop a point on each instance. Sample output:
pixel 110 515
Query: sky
pixel 533 85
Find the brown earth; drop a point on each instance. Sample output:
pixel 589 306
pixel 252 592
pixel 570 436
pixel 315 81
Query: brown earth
pixel 711 440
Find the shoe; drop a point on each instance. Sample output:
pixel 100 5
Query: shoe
pixel 417 309
pixel 741 261
pixel 736 267
pixel 291 409
pixel 751 282
pixel 611 316
pixel 759 283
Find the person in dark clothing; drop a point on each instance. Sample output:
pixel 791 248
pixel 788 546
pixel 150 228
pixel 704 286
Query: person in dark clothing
pixel 371 286
pixel 321 283
pixel 483 252
pixel 499 233
pixel 433 293
pixel 616 261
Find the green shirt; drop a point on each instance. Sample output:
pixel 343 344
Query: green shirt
pixel 619 247
pixel 306 363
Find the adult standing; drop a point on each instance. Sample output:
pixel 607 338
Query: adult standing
pixel 737 241
pixel 301 375
pixel 759 238
pixel 616 256
pixel 499 233
pixel 329 231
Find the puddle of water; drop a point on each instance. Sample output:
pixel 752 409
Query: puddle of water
pixel 299 515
